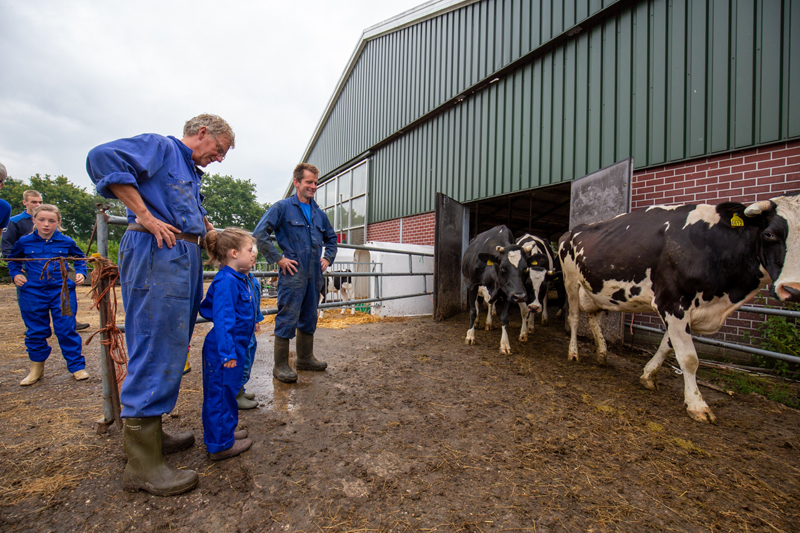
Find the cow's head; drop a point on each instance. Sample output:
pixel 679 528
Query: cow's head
pixel 511 266
pixel 539 275
pixel 779 245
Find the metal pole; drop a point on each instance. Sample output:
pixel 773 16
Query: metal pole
pixel 730 345
pixel 102 235
pixel 111 406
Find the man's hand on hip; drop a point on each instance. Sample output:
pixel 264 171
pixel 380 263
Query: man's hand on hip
pixel 163 232
pixel 288 266
pixel 324 263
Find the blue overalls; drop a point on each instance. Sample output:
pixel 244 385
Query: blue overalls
pixel 301 241
pixel 250 354
pixel 40 297
pixel 161 287
pixel 231 305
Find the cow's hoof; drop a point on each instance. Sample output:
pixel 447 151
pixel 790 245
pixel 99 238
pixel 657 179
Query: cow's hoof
pixel 523 338
pixel 544 321
pixel 702 414
pixel 572 357
pixel 469 342
pixel 602 359
pixel 505 351
pixel 649 383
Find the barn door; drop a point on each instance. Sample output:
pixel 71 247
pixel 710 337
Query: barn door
pixel 599 196
pixel 452 225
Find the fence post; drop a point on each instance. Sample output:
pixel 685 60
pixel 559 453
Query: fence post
pixel 111 406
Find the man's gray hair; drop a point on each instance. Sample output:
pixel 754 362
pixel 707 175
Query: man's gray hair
pixel 215 125
pixel 3 173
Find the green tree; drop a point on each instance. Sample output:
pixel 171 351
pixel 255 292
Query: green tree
pixel 12 193
pixel 77 206
pixel 231 202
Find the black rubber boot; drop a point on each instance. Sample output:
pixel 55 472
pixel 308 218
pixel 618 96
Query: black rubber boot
pixel 305 353
pixel 175 443
pixel 282 371
pixel 146 469
pixel 243 402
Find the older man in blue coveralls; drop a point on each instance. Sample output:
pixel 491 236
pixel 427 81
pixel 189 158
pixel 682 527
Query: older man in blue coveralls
pixel 302 230
pixel 160 264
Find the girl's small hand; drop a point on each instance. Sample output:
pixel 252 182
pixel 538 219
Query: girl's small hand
pixel 79 279
pixel 258 327
pixel 230 364
pixel 20 280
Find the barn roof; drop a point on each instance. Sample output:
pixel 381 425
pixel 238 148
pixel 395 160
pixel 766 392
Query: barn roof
pixel 413 16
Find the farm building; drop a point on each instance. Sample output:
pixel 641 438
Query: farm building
pixel 500 105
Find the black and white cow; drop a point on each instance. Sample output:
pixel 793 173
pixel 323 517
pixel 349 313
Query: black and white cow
pixel 493 260
pixel 694 265
pixel 338 284
pixel 541 261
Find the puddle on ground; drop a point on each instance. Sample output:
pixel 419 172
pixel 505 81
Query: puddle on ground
pixel 270 393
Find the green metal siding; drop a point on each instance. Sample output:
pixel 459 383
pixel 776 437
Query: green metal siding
pixel 406 74
pixel 660 80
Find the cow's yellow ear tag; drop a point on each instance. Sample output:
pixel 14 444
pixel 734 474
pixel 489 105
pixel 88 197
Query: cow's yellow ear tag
pixel 489 263
pixel 736 221
pixel 535 263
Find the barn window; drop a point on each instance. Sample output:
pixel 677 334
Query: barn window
pixel 344 200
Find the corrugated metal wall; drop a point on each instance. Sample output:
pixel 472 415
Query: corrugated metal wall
pixel 406 74
pixel 660 80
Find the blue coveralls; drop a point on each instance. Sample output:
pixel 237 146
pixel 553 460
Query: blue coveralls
pixel 250 354
pixel 231 305
pixel 161 287
pixel 40 297
pixel 301 241
pixel 5 213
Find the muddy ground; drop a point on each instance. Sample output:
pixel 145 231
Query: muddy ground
pixel 410 430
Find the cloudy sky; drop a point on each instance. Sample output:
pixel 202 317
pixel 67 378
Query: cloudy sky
pixel 78 73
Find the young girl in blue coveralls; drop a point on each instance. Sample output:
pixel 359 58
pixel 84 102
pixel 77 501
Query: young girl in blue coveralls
pixel 40 294
pixel 232 305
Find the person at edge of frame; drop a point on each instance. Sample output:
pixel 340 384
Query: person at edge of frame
pixel 160 265
pixel 302 230
pixel 5 207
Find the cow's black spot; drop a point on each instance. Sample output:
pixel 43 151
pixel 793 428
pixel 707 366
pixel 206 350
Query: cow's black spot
pixel 635 291
pixel 669 343
pixel 697 302
pixel 688 329
pixel 619 296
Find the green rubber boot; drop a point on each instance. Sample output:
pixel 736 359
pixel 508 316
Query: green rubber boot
pixel 175 443
pixel 305 353
pixel 282 371
pixel 243 402
pixel 146 469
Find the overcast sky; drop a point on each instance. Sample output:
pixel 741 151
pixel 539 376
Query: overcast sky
pixel 78 73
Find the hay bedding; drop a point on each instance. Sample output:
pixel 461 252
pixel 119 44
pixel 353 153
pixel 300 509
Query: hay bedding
pixel 410 430
pixel 331 318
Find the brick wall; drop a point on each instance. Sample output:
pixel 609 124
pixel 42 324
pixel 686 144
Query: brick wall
pixel 417 229
pixel 746 176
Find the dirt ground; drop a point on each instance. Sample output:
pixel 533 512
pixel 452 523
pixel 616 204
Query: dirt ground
pixel 409 430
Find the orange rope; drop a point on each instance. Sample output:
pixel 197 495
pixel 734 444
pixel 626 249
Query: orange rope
pixel 105 269
pixel 66 309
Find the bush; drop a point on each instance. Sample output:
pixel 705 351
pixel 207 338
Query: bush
pixel 780 334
